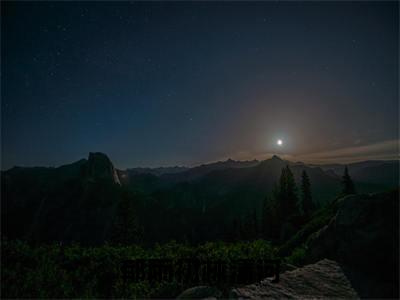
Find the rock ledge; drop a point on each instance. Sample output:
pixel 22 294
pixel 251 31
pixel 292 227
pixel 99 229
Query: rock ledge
pixel 324 279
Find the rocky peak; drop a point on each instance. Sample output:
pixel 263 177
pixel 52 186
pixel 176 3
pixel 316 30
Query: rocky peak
pixel 100 166
pixel 275 161
pixel 276 157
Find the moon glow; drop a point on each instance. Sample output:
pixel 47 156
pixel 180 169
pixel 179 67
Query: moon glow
pixel 279 142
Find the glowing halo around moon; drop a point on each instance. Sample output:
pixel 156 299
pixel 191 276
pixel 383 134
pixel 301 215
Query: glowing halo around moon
pixel 279 142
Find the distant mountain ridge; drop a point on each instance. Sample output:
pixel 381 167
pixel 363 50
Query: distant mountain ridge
pixel 78 201
pixel 199 171
pixel 98 165
pixel 372 171
pixel 384 172
pixel 158 171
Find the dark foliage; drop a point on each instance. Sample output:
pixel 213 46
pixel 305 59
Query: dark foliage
pixel 307 203
pixel 73 271
pixel 347 182
pixel 287 195
pixel 126 229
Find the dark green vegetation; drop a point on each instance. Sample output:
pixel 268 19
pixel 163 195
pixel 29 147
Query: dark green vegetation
pixel 54 270
pixel 294 248
pixel 82 202
pixel 348 185
pixel 50 271
pixel 65 230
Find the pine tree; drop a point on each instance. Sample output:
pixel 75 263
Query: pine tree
pixel 269 219
pixel 237 229
pixel 287 197
pixel 125 229
pixel 249 226
pixel 306 197
pixel 265 216
pixel 255 223
pixel 291 192
pixel 348 185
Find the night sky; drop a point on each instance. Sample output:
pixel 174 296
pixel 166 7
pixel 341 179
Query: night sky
pixel 183 83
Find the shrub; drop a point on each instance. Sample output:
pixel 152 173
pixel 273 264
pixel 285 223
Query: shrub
pixel 74 271
pixel 297 256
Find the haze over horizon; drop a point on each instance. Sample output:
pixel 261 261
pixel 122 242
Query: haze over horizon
pixel 163 84
pixel 266 156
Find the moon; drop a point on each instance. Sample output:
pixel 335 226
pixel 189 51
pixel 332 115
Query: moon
pixel 279 142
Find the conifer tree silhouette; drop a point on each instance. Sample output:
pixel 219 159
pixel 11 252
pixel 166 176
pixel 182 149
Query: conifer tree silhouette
pixel 306 196
pixel 348 185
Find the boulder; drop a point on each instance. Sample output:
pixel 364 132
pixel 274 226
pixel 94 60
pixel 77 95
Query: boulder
pixel 364 233
pixel 324 279
pixel 364 237
pixel 201 292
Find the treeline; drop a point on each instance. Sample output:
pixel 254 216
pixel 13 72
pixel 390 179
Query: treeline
pixel 287 211
pixel 283 214
pixel 73 271
pixel 67 270
pixel 97 211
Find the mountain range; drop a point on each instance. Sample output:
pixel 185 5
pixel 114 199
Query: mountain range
pixel 79 201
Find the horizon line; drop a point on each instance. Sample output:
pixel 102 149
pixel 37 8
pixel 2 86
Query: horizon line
pixel 284 157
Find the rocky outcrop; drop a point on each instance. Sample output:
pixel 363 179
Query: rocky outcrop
pixel 324 279
pixel 201 292
pixel 99 166
pixel 364 233
pixel 364 237
pixel 354 255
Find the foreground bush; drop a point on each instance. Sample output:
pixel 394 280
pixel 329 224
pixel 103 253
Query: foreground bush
pixel 54 271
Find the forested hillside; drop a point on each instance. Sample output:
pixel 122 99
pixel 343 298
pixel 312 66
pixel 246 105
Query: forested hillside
pixel 83 201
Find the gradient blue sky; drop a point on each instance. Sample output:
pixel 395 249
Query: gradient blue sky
pixel 156 84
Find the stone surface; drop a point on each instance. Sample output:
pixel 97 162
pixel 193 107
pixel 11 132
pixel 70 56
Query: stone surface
pixel 100 166
pixel 201 292
pixel 324 279
pixel 364 238
pixel 363 235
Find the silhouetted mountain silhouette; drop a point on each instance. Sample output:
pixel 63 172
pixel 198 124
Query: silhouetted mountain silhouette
pixel 78 201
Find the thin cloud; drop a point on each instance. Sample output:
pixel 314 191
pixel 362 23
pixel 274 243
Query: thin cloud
pixel 379 151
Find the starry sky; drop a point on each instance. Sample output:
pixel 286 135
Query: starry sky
pixel 183 83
